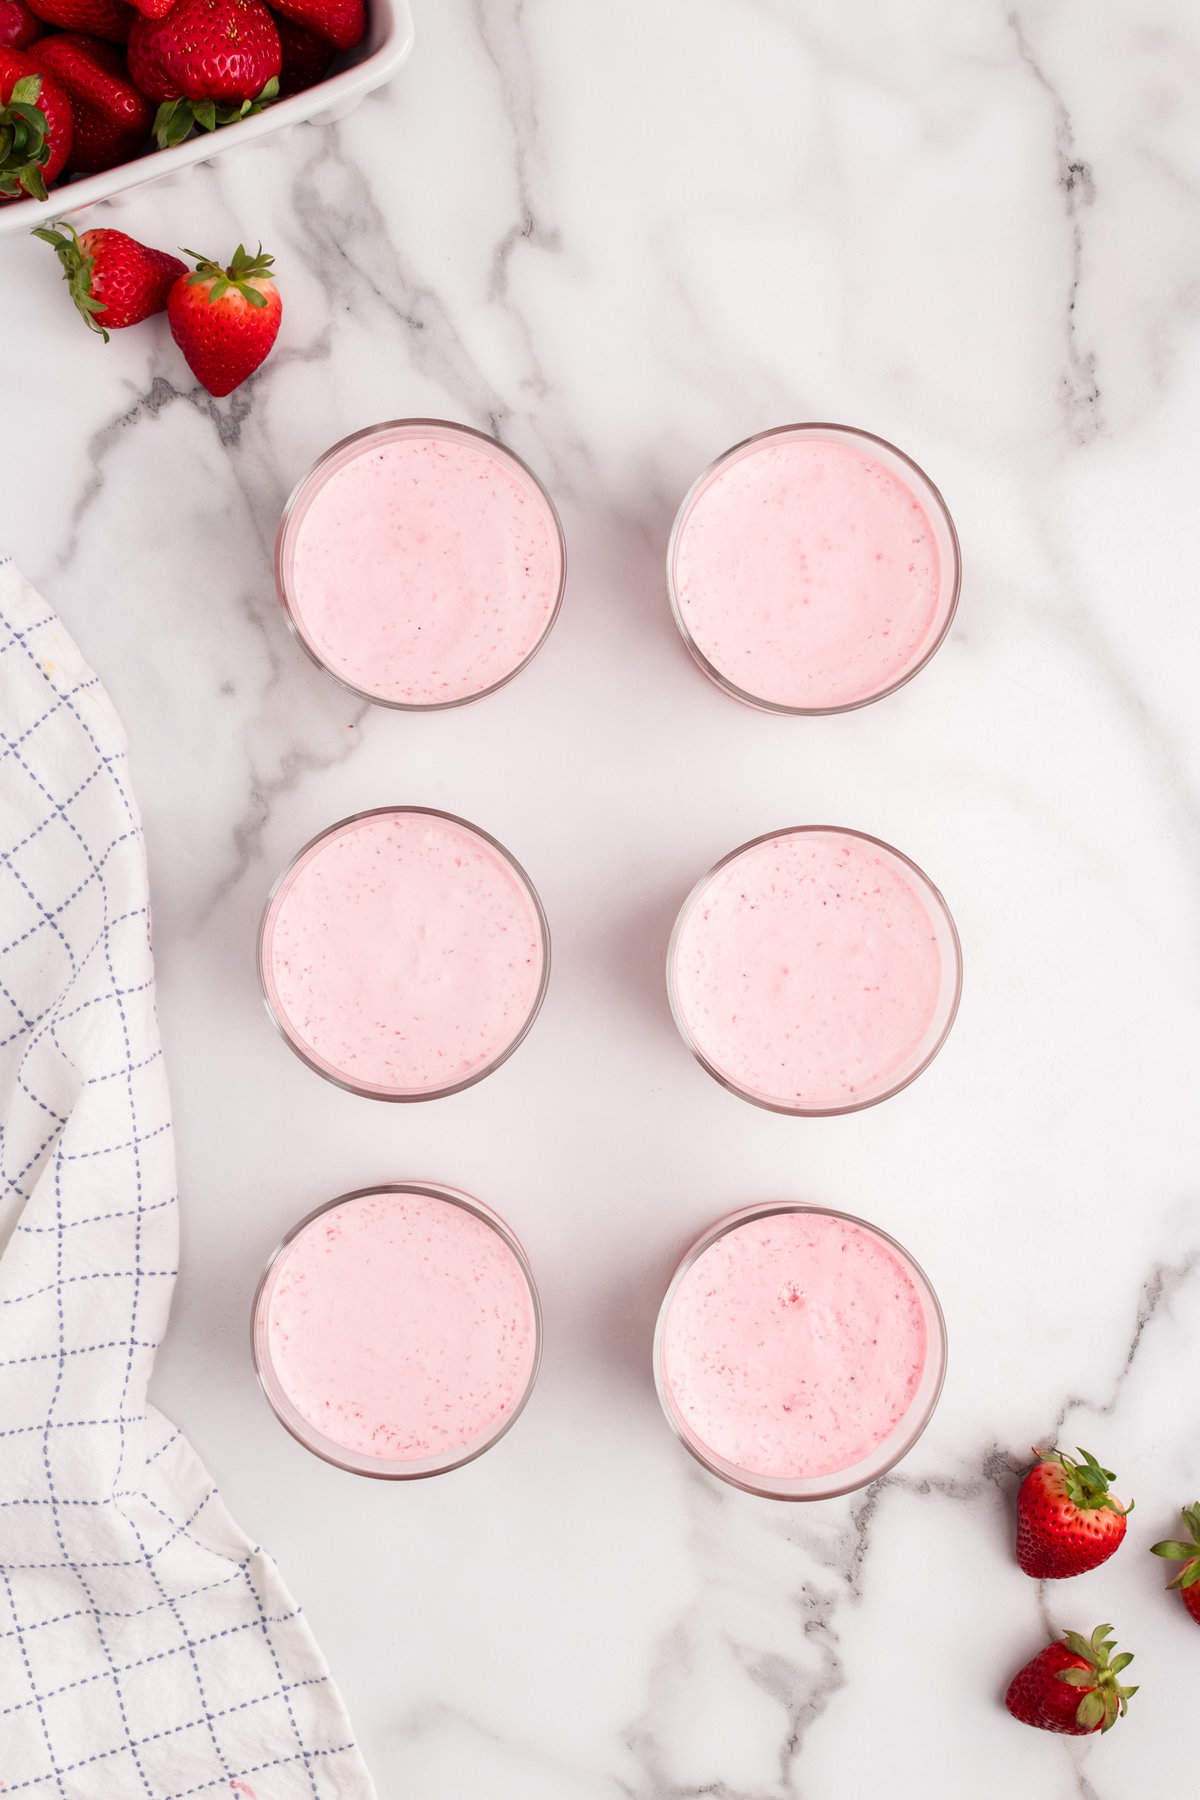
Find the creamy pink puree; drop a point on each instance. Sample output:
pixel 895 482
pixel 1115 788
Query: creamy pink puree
pixel 794 1345
pixel 808 970
pixel 425 569
pixel 403 953
pixel 402 1327
pixel 808 573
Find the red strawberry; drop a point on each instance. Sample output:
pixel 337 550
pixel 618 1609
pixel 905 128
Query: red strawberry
pixel 1071 1685
pixel 35 128
pixel 208 62
pixel 111 274
pixel 154 9
pixel 19 27
pixel 343 22
pixel 225 320
pixel 111 118
pixel 1067 1521
pixel 110 19
pixel 306 57
pixel 1188 1553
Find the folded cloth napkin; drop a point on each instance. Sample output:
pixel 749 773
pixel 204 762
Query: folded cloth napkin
pixel 148 1650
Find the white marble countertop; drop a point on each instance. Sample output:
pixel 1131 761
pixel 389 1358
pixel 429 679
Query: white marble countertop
pixel 624 236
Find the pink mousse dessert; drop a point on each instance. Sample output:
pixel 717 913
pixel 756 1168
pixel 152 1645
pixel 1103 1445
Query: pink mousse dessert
pixel 397 1330
pixel 421 563
pixel 813 568
pixel 404 954
pixel 799 1352
pixel 814 970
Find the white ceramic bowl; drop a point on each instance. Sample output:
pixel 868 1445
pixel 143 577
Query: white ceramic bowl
pixel 387 43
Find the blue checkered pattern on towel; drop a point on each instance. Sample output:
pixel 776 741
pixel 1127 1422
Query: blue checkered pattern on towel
pixel 148 1651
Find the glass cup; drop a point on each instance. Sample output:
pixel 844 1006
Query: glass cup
pixel 388 984
pixel 812 569
pixel 421 563
pixel 409 1355
pixel 814 971
pixel 713 1358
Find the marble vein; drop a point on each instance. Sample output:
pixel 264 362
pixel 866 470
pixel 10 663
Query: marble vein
pixel 1080 382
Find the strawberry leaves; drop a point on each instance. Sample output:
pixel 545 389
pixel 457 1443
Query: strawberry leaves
pixel 77 268
pixel 244 268
pixel 1188 1553
pixel 24 141
pixel 1086 1483
pixel 1105 1700
pixel 177 119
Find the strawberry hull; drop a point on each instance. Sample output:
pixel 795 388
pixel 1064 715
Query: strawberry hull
pixel 24 165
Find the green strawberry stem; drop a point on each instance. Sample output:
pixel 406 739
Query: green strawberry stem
pixel 24 140
pixel 245 267
pixel 1175 1550
pixel 77 267
pixel 1086 1482
pixel 1106 1699
pixel 175 120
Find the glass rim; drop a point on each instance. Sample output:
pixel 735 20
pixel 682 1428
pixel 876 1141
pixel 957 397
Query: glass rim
pixel 779 1106
pixel 803 427
pixel 310 1436
pixel 833 1486
pixel 342 1081
pixel 291 504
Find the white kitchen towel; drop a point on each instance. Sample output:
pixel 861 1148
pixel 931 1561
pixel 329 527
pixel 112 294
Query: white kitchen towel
pixel 148 1650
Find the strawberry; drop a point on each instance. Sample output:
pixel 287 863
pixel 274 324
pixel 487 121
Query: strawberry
pixel 207 63
pixel 306 57
pixel 1188 1579
pixel 225 320
pixel 153 9
pixel 342 22
pixel 111 118
pixel 1071 1686
pixel 19 27
pixel 110 19
pixel 35 128
pixel 1067 1521
pixel 110 273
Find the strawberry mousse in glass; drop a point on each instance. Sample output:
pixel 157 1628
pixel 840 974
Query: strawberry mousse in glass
pixel 396 1330
pixel 799 1352
pixel 814 970
pixel 421 563
pixel 404 953
pixel 812 569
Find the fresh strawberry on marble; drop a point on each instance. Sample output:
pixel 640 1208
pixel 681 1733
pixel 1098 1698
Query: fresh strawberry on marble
pixel 225 319
pixel 1068 1521
pixel 1072 1685
pixel 206 63
pixel 113 279
pixel 19 25
pixel 35 128
pixel 111 117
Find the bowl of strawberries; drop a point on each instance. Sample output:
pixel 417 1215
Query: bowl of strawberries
pixel 101 95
